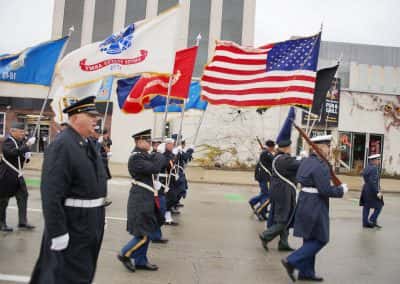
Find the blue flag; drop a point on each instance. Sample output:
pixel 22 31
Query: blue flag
pixel 158 101
pixel 286 130
pixel 34 65
pixel 195 101
pixel 104 93
pixel 124 87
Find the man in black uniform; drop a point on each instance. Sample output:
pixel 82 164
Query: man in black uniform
pixel 144 217
pixel 263 174
pixel 15 153
pixel 283 196
pixel 73 188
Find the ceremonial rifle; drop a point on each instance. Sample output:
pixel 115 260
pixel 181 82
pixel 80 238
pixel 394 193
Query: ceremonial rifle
pixel 336 181
pixel 259 143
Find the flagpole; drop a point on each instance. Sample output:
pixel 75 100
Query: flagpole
pixel 198 127
pixel 179 138
pixel 166 107
pixel 71 29
pixel 107 105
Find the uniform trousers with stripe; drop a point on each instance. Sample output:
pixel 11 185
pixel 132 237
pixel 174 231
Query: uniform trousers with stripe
pixel 136 249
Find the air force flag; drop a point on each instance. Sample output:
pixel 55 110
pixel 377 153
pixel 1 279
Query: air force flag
pixel 147 46
pixel 34 65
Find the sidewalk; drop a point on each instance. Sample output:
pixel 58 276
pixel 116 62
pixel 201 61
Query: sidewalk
pixel 233 177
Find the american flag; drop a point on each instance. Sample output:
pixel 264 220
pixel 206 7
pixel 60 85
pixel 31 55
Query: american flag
pixel 276 74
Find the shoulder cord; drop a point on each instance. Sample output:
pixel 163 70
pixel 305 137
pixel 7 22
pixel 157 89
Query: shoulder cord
pixel 281 176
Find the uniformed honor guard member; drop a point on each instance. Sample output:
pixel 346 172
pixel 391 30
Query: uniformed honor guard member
pixel 311 220
pixel 144 217
pixel 262 175
pixel 283 196
pixel 73 188
pixel 371 195
pixel 16 152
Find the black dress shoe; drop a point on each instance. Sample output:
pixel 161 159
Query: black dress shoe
pixel 376 225
pixel 26 226
pixel 147 266
pixel 160 241
pixel 289 269
pixel 263 242
pixel 172 223
pixel 179 205
pixel 6 228
pixel 369 226
pixel 126 261
pixel 284 247
pixel 175 212
pixel 252 208
pixel 311 279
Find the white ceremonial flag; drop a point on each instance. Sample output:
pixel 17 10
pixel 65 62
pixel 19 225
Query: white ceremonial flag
pixel 146 46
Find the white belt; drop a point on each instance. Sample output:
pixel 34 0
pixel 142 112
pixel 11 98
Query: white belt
pixel 162 175
pixel 145 186
pixel 84 203
pixel 309 189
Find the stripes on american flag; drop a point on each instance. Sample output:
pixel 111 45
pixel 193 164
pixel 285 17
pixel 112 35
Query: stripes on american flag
pixel 238 76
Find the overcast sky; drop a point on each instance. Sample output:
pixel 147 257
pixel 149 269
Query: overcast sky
pixel 24 23
pixel 355 21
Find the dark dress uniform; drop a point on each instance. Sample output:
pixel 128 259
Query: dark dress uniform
pixel 144 218
pixel 104 155
pixel 311 220
pixel 11 183
pixel 262 175
pixel 283 198
pixel 73 187
pixel 369 195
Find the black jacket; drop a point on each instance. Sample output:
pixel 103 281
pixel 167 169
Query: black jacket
pixel 142 219
pixel 9 181
pixel 266 159
pixel 72 168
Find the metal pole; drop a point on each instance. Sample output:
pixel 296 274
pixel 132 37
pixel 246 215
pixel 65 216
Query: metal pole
pixel 105 116
pixel 198 128
pixel 179 139
pixel 166 107
pixel 71 29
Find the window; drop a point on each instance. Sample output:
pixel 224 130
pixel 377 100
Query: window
pixel 103 19
pixel 2 123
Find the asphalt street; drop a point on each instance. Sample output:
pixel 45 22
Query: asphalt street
pixel 217 242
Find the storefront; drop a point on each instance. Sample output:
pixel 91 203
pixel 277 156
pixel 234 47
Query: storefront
pixel 356 147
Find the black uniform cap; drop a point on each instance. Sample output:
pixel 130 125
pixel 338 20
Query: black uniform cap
pixel 18 125
pixel 144 135
pixel 284 143
pixel 270 143
pixel 84 105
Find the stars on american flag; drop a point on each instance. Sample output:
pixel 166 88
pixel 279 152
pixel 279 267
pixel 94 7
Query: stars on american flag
pixel 294 54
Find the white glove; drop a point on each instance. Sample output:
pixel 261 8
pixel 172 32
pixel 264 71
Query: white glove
pixel 28 155
pixel 175 151
pixel 157 185
pixel 101 139
pixel 60 243
pixel 109 154
pixel 379 195
pixel 161 148
pixel 344 187
pixel 303 154
pixel 31 141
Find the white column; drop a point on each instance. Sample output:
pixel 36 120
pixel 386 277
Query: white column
pixel 151 8
pixel 215 25
pixel 119 15
pixel 183 35
pixel 88 21
pixel 249 15
pixel 58 19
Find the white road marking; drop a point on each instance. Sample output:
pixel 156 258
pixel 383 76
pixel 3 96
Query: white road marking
pixel 40 211
pixel 14 278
